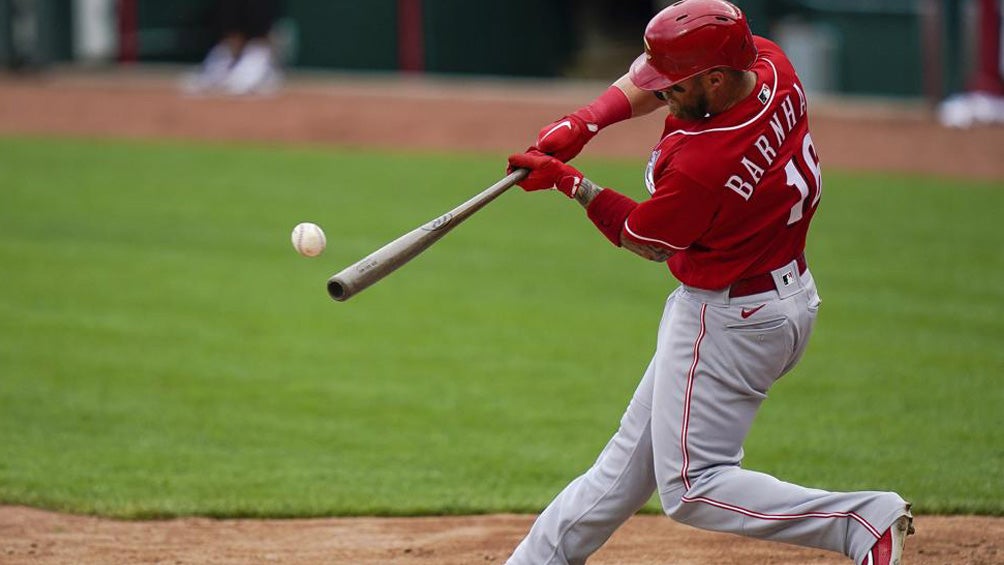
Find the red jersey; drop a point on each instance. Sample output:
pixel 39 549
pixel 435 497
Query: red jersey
pixel 733 193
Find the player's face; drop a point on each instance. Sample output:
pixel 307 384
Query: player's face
pixel 687 100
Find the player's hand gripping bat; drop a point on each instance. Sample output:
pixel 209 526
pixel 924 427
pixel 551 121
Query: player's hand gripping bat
pixel 384 261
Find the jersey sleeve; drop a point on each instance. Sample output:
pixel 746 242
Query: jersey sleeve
pixel 679 211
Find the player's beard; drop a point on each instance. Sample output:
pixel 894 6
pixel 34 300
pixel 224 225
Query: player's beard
pixel 696 111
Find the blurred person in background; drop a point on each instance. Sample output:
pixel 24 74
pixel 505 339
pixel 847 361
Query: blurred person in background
pixel 983 103
pixel 244 60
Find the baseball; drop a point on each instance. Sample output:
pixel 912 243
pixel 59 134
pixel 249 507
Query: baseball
pixel 308 239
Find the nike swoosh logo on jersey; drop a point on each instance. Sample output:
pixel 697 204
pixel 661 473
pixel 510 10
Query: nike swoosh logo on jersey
pixel 747 312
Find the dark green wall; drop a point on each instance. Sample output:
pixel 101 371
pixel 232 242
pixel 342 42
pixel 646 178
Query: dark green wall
pixel 54 39
pixel 177 31
pixel 879 53
pixel 879 42
pixel 515 37
pixel 345 35
pixel 878 49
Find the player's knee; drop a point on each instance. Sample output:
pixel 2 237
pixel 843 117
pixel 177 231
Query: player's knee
pixel 671 498
pixel 672 509
pixel 674 492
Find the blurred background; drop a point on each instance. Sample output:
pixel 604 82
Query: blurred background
pixel 899 85
pixel 918 49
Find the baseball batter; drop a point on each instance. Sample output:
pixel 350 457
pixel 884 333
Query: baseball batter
pixel 734 181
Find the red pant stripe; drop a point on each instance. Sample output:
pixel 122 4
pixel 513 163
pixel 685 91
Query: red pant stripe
pixel 852 515
pixel 686 404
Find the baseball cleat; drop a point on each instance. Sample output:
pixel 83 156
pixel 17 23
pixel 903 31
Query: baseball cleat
pixel 888 550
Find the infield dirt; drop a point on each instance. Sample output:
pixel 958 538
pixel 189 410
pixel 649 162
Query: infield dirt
pixel 453 114
pixel 35 536
pixel 482 116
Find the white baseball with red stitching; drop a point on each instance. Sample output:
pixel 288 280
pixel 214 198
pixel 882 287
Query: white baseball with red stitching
pixel 308 239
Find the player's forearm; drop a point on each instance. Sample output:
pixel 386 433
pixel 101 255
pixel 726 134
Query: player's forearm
pixel 606 208
pixel 609 215
pixel 642 101
pixel 650 252
pixel 621 101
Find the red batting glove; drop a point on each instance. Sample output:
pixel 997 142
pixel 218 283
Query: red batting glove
pixel 565 138
pixel 546 172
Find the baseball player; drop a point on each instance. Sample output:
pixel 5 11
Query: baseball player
pixel 734 182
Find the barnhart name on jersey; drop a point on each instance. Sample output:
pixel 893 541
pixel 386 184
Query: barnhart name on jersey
pixel 762 154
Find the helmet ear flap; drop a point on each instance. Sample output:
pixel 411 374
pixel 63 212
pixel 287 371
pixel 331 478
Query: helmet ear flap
pixel 690 37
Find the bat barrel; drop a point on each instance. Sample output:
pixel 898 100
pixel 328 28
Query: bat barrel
pixel 356 278
pixel 382 262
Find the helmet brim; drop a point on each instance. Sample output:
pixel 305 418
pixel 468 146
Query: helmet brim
pixel 645 77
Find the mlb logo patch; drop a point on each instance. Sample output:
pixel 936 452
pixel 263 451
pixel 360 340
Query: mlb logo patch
pixel 787 278
pixel 764 95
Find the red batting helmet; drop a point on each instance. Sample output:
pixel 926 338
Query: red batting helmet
pixel 690 37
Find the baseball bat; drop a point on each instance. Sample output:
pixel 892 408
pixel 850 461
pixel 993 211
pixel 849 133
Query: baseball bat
pixel 357 277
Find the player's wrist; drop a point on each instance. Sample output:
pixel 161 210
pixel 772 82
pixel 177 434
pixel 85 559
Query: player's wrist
pixel 586 192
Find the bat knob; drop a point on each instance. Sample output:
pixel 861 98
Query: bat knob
pixel 337 290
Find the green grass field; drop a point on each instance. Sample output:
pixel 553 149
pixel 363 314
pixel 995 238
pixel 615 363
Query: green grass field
pixel 163 350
